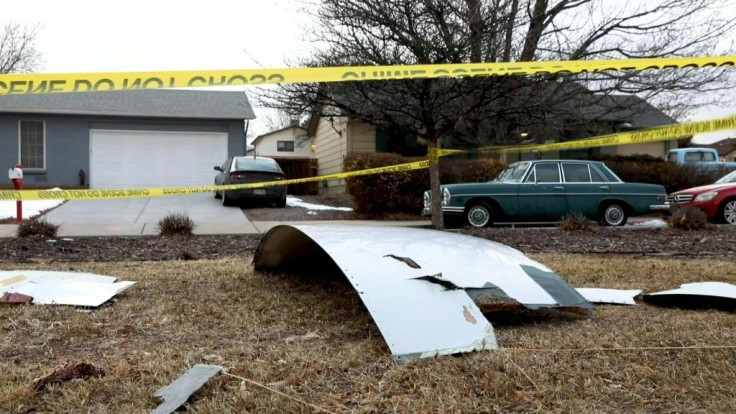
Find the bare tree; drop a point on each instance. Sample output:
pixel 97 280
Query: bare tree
pixel 18 49
pixel 485 110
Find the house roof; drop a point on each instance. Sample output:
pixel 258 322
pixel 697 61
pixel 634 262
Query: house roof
pixel 724 146
pixel 157 103
pixel 260 137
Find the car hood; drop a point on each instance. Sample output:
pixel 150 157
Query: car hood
pixel 706 188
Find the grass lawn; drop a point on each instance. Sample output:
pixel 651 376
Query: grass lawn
pixel 312 339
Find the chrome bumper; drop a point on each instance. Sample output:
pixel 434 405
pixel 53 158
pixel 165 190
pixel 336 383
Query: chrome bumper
pixel 658 207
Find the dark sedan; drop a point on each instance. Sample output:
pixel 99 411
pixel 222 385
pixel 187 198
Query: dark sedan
pixel 246 170
pixel 546 190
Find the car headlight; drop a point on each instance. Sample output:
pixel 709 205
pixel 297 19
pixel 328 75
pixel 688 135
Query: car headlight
pixel 706 196
pixel 427 200
pixel 445 197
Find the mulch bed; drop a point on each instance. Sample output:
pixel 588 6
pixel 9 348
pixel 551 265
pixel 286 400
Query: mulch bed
pixel 719 242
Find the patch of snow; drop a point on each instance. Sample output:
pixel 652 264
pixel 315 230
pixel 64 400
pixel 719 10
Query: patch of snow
pixel 31 208
pixel 651 223
pixel 297 202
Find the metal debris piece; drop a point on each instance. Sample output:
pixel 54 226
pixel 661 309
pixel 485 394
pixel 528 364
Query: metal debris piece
pixel 179 391
pixel 406 260
pixel 700 295
pixel 67 372
pixel 62 288
pixel 425 310
pixel 15 299
pixel 611 296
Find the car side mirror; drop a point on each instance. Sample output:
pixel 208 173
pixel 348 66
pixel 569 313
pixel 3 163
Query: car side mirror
pixel 217 168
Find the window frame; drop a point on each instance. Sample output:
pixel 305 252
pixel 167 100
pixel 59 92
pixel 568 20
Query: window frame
pixel 279 149
pixel 20 144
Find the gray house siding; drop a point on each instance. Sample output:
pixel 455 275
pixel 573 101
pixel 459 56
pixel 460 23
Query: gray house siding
pixel 67 142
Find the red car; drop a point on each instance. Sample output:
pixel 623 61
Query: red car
pixel 717 200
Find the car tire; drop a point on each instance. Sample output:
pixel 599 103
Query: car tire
pixel 227 201
pixel 217 195
pixel 613 215
pixel 479 215
pixel 727 212
pixel 281 202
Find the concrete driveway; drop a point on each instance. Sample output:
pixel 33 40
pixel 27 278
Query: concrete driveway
pixel 140 216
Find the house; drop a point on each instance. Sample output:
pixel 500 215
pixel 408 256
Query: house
pixel 334 137
pixel 290 141
pixel 142 138
pixel 726 148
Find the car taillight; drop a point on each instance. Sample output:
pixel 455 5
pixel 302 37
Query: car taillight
pixel 234 176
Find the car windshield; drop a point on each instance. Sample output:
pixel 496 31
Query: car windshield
pixel 729 178
pixel 257 164
pixel 513 173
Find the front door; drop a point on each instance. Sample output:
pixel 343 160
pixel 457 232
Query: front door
pixel 542 195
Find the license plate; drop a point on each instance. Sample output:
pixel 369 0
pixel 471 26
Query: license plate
pixel 259 191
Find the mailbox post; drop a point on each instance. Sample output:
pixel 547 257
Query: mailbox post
pixel 16 176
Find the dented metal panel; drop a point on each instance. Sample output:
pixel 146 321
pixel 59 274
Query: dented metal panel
pixel 612 296
pixel 413 281
pixel 716 295
pixel 62 288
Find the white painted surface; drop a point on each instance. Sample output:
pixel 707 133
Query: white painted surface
pixel 297 202
pixel 416 317
pixel 716 289
pixel 62 288
pixel 613 296
pixel 267 144
pixel 135 159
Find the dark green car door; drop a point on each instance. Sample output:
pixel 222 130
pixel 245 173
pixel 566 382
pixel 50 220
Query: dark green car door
pixel 542 195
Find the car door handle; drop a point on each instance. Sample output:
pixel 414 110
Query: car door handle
pixel 603 187
pixel 558 187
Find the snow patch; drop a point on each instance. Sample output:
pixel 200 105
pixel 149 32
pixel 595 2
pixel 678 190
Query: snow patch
pixel 31 208
pixel 297 202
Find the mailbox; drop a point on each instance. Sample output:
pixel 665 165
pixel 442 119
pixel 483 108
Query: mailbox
pixel 15 173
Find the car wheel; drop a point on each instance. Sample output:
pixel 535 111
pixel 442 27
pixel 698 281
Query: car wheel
pixel 479 215
pixel 217 195
pixel 226 201
pixel 728 212
pixel 281 202
pixel 614 215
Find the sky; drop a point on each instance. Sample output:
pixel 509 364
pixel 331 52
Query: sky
pixel 137 35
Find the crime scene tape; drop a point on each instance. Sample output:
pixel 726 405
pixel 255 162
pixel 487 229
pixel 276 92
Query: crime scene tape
pixel 15 84
pixel 653 134
pixel 172 191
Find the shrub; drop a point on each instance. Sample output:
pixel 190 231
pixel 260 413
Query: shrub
pixel 672 176
pixel 402 192
pixel 688 218
pixel 37 227
pixel 575 221
pixel 175 224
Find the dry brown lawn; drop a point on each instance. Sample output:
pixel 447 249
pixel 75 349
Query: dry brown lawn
pixel 312 339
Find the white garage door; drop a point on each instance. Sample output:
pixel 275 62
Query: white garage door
pixel 129 159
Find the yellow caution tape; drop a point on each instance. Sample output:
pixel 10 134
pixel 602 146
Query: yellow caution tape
pixel 654 134
pixel 15 84
pixel 171 191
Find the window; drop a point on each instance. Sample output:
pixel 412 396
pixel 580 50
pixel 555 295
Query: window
pixel 576 173
pixel 286 146
pixel 547 173
pixel 32 145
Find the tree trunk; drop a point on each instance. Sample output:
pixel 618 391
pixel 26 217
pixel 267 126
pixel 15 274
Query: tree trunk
pixel 434 185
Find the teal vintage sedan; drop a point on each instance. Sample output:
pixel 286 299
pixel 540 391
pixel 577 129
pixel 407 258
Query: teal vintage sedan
pixel 546 190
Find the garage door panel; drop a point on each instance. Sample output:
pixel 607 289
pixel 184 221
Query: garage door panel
pixel 154 158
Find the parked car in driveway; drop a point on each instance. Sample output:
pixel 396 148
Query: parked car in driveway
pixel 546 190
pixel 717 200
pixel 245 170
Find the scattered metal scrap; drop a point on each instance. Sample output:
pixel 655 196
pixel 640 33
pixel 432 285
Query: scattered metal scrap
pixel 67 372
pixel 416 283
pixel 62 288
pixel 611 296
pixel 179 391
pixel 700 295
